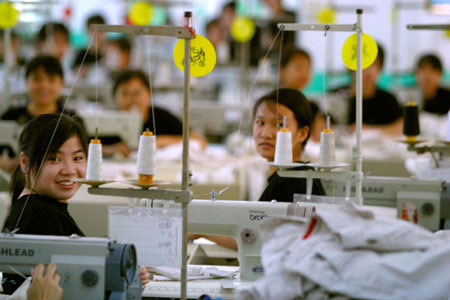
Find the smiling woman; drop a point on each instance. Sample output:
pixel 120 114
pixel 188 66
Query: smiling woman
pixel 53 151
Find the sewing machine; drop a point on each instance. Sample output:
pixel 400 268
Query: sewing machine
pixel 10 134
pixel 125 124
pixel 431 198
pixel 90 268
pixel 240 220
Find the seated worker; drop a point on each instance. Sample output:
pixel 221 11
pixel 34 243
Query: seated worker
pixel 131 90
pixel 295 69
pixel 268 118
pixel 436 99
pixel 53 39
pixel 380 108
pixel 53 151
pixel 266 123
pixel 44 78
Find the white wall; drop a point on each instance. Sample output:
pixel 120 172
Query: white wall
pixel 377 22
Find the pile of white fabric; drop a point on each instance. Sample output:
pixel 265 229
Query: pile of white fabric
pixel 349 253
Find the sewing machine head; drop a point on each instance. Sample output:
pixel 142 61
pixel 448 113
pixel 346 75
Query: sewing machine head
pixel 125 124
pixel 240 220
pixel 427 200
pixel 90 268
pixel 10 134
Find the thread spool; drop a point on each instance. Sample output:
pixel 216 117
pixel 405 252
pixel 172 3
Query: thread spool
pixel 283 147
pixel 327 155
pixel 146 157
pixel 94 163
pixel 411 128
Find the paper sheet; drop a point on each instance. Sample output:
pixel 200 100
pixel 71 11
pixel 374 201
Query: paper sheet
pixel 155 232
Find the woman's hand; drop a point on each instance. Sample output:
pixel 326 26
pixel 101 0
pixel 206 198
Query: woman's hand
pixel 145 276
pixel 45 286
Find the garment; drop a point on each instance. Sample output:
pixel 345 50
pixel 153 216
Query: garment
pixel 348 251
pixel 381 109
pixel 439 104
pixel 166 124
pixel 283 189
pixel 42 215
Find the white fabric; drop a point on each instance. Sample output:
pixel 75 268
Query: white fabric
pixel 352 253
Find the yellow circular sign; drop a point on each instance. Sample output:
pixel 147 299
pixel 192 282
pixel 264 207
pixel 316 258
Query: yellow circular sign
pixel 8 15
pixel 447 34
pixel 203 56
pixel 242 29
pixel 141 13
pixel 326 15
pixel 369 51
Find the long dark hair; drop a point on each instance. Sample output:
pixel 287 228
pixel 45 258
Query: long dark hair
pixel 295 101
pixel 47 131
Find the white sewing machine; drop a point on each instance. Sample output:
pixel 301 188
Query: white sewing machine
pixel 430 198
pixel 90 268
pixel 125 124
pixel 10 134
pixel 240 220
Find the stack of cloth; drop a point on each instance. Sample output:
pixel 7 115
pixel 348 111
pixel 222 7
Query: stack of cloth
pixel 349 253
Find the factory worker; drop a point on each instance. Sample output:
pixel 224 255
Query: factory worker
pixel 132 91
pixel 44 78
pixel 268 116
pixel 436 99
pixel 295 69
pixel 381 109
pixel 53 151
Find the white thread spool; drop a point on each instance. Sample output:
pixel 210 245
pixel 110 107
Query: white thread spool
pixel 283 147
pixel 94 163
pixel 146 158
pixel 448 128
pixel 327 148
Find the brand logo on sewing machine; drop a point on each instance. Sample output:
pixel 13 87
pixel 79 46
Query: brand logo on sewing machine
pixel 257 215
pixel 370 189
pixel 16 252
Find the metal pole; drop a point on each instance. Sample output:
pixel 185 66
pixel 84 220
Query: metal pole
pixel 185 171
pixel 357 151
pixel 245 53
pixel 7 56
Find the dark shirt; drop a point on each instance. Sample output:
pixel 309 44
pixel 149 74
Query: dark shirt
pixel 21 115
pixel 166 124
pixel 283 189
pixel 440 104
pixel 381 109
pixel 42 215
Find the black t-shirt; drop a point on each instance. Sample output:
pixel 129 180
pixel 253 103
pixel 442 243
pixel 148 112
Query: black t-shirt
pixel 43 216
pixel 21 115
pixel 166 124
pixel 440 104
pixel 381 109
pixel 283 189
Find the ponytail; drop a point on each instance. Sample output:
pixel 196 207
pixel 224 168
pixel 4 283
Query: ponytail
pixel 17 184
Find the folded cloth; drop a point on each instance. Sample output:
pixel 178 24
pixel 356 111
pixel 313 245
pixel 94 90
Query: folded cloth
pixel 320 255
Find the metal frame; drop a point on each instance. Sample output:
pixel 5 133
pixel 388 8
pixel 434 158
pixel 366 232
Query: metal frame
pixel 428 26
pixel 184 195
pixel 357 149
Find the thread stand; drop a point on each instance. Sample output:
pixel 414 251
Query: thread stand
pixel 356 175
pixel 184 195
